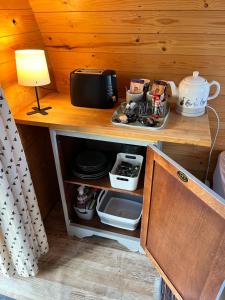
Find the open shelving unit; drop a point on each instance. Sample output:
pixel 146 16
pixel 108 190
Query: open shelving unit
pixel 65 149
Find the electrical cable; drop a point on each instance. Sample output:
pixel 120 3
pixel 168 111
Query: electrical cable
pixel 214 141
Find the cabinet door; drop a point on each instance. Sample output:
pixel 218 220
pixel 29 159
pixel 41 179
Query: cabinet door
pixel 183 229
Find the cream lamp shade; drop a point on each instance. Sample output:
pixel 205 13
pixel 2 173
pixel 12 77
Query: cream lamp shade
pixel 32 69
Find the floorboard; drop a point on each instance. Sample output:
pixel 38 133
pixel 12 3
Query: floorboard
pixel 84 269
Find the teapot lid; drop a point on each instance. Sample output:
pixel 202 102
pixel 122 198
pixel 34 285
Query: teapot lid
pixel 195 79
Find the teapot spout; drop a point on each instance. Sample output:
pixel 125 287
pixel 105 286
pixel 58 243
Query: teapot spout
pixel 174 89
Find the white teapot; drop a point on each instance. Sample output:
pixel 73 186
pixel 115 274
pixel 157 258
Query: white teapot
pixel 193 94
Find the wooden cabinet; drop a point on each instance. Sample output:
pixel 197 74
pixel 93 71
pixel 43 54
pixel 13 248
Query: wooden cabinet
pixel 183 222
pixel 183 229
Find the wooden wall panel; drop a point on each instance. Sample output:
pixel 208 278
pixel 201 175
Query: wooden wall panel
pixel 127 5
pixel 21 41
pixel 133 22
pixel 141 43
pixel 158 39
pixel 14 4
pixel 16 22
pixel 19 30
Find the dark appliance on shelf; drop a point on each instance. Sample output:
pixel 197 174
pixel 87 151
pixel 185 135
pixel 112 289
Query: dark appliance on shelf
pixel 93 88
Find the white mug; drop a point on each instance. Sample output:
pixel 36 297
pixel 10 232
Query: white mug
pixel 133 97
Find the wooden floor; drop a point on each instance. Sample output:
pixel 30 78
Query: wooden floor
pixel 87 269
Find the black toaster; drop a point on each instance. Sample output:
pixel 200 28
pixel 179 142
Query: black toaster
pixel 93 88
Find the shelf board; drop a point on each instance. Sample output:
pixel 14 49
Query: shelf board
pixel 104 183
pixel 96 223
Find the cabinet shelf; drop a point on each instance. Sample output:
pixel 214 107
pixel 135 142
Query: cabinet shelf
pixel 104 183
pixel 96 223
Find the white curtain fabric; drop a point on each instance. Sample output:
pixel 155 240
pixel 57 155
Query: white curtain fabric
pixel 22 235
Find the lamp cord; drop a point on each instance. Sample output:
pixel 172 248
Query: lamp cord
pixel 38 103
pixel 214 141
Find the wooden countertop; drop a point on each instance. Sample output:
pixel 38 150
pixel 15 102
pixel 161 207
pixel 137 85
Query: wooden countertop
pixel 64 116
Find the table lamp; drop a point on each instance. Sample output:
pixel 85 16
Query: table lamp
pixel 32 70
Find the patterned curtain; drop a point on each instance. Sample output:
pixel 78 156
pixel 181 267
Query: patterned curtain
pixel 22 235
pixel 166 293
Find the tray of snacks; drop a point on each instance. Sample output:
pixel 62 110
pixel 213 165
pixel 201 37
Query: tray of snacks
pixel 151 110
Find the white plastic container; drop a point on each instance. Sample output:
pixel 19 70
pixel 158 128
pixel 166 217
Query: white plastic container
pixel 124 182
pixel 133 97
pixel 118 210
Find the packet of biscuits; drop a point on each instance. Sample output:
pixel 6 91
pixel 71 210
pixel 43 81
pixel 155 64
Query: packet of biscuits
pixel 158 87
pixel 136 86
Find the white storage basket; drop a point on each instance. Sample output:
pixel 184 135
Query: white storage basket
pixel 119 210
pixel 124 182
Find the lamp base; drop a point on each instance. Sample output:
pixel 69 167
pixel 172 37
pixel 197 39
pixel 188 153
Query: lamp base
pixel 37 110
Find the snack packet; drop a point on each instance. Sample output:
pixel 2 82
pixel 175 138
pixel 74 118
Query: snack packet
pixel 158 87
pixel 136 86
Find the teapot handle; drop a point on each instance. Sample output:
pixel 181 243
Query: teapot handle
pixel 216 94
pixel 173 88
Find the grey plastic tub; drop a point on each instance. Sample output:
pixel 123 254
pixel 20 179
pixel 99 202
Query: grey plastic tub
pixel 119 209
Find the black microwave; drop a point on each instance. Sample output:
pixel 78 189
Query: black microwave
pixel 93 88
